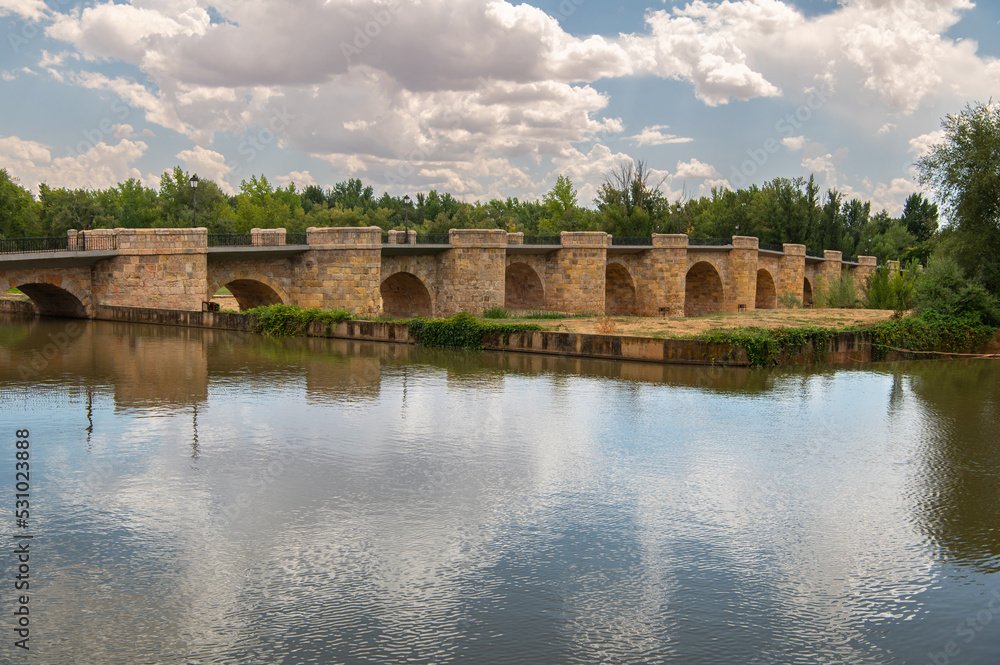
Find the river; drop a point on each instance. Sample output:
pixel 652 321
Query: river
pixel 210 497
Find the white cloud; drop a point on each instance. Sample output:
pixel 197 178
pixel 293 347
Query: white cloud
pixel 207 164
pixel 922 145
pixel 654 136
pixel 33 10
pixel 695 169
pixel 794 143
pixel 302 179
pixel 100 167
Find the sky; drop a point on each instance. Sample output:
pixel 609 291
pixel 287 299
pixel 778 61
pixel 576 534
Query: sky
pixel 487 99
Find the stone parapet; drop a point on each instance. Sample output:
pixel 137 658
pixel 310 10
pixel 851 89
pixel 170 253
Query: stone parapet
pixel 745 242
pixel 791 249
pixel 585 239
pixel 868 261
pixel 833 255
pixel 515 238
pixel 344 238
pixel 477 238
pixel 267 237
pixel 670 240
pixel 149 242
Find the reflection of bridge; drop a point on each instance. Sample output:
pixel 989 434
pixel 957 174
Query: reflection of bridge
pixel 466 270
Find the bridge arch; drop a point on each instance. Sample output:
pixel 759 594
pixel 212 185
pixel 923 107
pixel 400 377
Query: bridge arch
pixel 807 293
pixel 55 296
pixel 619 290
pixel 405 295
pixel 250 290
pixel 523 290
pixel 767 293
pixel 703 292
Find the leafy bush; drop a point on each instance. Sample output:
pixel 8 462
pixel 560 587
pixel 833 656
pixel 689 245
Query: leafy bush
pixel 462 331
pixel 930 331
pixel 280 320
pixel 840 294
pixel 945 290
pixel 885 290
pixel 765 345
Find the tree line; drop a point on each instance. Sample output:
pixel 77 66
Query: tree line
pixel 628 204
pixel 963 172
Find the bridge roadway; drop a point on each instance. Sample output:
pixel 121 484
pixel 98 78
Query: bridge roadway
pixel 355 269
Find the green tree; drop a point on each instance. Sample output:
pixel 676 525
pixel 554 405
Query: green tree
pixel 964 173
pixel 18 209
pixel 629 205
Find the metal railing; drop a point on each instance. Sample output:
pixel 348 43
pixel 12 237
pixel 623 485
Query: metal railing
pixel 815 255
pixel 433 239
pixel 709 242
pixel 296 239
pixel 28 245
pixel 542 240
pixel 849 259
pixel 771 247
pixel 99 243
pixel 632 242
pixel 230 240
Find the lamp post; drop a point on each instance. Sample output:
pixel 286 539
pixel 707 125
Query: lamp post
pixel 194 202
pixel 406 215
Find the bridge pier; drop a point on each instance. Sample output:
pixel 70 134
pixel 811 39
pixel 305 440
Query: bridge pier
pixel 575 273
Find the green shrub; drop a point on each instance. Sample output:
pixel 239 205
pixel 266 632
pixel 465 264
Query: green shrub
pixel 280 320
pixel 884 290
pixel 945 290
pixel 840 294
pixel 930 331
pixel 462 331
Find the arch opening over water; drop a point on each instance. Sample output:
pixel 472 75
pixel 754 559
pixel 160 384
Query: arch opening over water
pixel 807 293
pixel 52 300
pixel 767 294
pixel 404 296
pixel 523 290
pixel 703 292
pixel 619 291
pixel 250 293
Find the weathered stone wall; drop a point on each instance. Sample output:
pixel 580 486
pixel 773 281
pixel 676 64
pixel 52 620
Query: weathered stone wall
pixel 575 273
pixel 393 287
pixel 768 270
pixel 865 269
pixel 341 270
pixel 161 268
pixel 789 277
pixel 740 276
pixel 659 274
pixel 472 274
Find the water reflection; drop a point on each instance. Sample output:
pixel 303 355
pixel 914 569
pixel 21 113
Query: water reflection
pixel 228 498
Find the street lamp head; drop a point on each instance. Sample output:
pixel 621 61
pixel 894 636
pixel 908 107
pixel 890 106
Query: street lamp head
pixel 194 181
pixel 406 199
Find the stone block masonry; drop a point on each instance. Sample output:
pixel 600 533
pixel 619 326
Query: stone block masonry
pixel 350 268
pixel 159 268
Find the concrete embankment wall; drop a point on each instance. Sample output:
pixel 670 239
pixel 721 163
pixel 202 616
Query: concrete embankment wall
pixel 843 348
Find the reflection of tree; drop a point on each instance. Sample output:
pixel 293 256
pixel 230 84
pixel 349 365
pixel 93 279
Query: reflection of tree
pixel 959 501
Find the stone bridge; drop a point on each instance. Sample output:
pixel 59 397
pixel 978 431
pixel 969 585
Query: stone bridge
pixel 467 270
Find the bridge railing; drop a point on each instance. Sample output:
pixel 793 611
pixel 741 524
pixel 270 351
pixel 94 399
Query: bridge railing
pixel 29 245
pixel 772 247
pixel 542 240
pixel 230 239
pixel 709 242
pixel 433 239
pixel 296 239
pixel 632 242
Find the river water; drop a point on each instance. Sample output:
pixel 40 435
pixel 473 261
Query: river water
pixel 208 497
